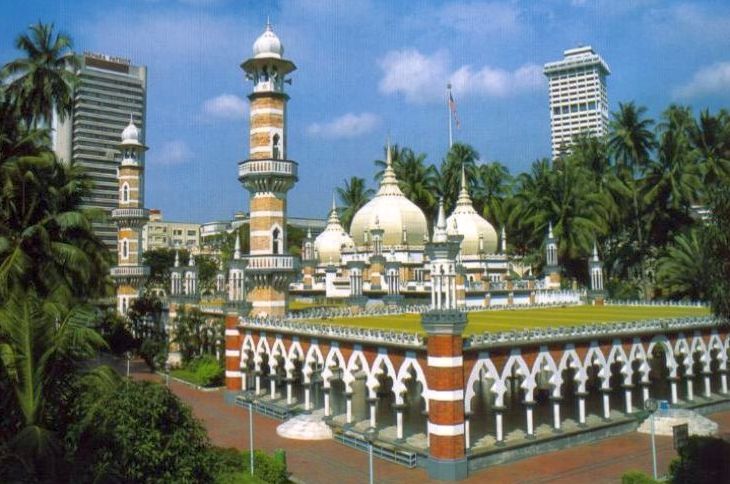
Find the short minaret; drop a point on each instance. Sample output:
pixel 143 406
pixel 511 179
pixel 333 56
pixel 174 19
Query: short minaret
pixel 237 280
pixel 595 271
pixel 268 175
pixel 503 240
pixel 129 275
pixel 552 269
pixel 309 260
pixel 445 373
pixel 377 261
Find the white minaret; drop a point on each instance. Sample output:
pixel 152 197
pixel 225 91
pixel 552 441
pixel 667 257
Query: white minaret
pixel 442 252
pixel 552 269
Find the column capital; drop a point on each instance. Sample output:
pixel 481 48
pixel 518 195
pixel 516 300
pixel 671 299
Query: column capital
pixel 444 322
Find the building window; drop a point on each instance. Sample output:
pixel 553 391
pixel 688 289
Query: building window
pixel 276 244
pixel 125 249
pixel 125 193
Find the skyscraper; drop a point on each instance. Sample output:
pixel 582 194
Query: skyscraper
pixel 578 98
pixel 110 90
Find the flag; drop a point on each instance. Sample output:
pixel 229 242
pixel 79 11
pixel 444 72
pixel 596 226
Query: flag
pixel 452 107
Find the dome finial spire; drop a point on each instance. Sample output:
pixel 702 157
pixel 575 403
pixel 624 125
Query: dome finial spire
pixel 550 229
pixel 334 205
pixel 388 154
pixel 595 251
pixel 439 232
pixel 268 24
pixel 464 198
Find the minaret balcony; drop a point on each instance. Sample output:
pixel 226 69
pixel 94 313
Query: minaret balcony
pixel 130 271
pixel 271 263
pixel 130 216
pixel 268 174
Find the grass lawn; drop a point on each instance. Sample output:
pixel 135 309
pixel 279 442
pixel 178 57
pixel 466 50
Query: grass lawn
pixel 511 319
pixel 300 305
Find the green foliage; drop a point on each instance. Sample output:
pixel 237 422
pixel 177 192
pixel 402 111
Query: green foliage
pixel 197 335
pixel 717 247
pixel 154 353
pixel 704 460
pixel 115 331
pixel 682 271
pixel 138 432
pixel 160 261
pixel 205 371
pixel 234 466
pixel 352 197
pixel 636 477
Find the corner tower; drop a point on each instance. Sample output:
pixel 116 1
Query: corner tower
pixel 130 215
pixel 268 175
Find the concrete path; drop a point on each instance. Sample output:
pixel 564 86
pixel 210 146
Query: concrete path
pixel 330 462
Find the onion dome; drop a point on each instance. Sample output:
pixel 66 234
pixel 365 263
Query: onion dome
pixel 397 216
pixel 268 45
pixel 131 132
pixel 333 239
pixel 471 225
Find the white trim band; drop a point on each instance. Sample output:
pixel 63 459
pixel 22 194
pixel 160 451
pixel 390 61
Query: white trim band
pixel 266 213
pixel 264 304
pixel 446 361
pixel 445 430
pixel 260 233
pixel 232 332
pixel 446 395
pixel 233 374
pixel 257 111
pixel 233 353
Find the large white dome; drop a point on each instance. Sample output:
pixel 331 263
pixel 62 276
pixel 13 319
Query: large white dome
pixel 471 225
pixel 332 240
pixel 394 214
pixel 268 45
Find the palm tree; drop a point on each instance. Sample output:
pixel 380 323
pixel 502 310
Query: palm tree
pixel 682 271
pixel 449 176
pixel 710 138
pixel 673 180
pixel 631 140
pixel 494 186
pixel 352 197
pixel 42 348
pixel 44 79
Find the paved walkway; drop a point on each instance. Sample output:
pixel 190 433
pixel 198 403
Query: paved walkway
pixel 328 461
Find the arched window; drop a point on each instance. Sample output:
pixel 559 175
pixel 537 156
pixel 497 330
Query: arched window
pixel 125 249
pixel 275 146
pixel 276 241
pixel 125 193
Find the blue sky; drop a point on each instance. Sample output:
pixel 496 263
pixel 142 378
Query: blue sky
pixel 368 68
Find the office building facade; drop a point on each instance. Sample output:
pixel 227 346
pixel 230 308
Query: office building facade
pixel 111 92
pixel 578 97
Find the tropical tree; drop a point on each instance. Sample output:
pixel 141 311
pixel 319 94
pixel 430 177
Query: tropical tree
pixel 717 247
pixel 494 186
pixel 448 181
pixel 352 197
pixel 43 80
pixel 681 272
pixel 43 347
pixel 710 138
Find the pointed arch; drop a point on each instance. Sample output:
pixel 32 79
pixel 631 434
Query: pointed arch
pixel 570 359
pixel 484 363
pixel 399 384
pixel 664 342
pixel 556 378
pixel 382 361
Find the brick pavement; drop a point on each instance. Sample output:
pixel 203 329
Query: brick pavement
pixel 330 462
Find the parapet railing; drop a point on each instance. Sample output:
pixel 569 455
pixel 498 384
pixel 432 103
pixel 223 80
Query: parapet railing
pixel 673 304
pixel 588 331
pixel 400 338
pixel 262 167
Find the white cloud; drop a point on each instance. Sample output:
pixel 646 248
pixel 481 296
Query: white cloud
pixel 173 152
pixel 422 78
pixel 684 22
pixel 225 106
pixel 483 19
pixel 714 79
pixel 346 126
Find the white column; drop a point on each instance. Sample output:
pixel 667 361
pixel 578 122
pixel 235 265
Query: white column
pixel 627 393
pixel 723 382
pixel 467 432
pixel 243 380
pixel 288 393
pixel 349 409
pixel 258 385
pixel 373 408
pixel 272 385
pixel 500 436
pixel 307 403
pixel 530 424
pixel 582 410
pixel 399 424
pixel 690 390
pixel 674 392
pixel 606 406
pixel 556 414
pixel 645 392
pixel 708 387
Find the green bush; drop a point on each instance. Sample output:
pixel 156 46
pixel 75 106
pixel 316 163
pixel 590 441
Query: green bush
pixel 154 353
pixel 234 467
pixel 704 460
pixel 636 477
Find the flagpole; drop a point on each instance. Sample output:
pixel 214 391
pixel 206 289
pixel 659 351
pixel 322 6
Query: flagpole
pixel 448 112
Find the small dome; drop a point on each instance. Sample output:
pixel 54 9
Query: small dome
pixel 332 240
pixel 467 222
pixel 131 132
pixel 268 45
pixel 393 212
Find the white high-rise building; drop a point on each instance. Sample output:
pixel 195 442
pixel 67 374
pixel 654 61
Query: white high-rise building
pixel 110 90
pixel 578 98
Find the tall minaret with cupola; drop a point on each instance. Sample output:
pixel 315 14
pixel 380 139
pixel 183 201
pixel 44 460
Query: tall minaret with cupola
pixel 268 175
pixel 129 275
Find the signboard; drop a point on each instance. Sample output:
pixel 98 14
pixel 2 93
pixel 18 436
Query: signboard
pixel 680 434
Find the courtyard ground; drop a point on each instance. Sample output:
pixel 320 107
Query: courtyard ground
pixel 330 462
pixel 516 319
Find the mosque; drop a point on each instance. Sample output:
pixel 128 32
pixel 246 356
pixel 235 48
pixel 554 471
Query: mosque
pixel 450 402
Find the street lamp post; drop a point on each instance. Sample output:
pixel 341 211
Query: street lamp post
pixel 167 374
pixel 370 437
pixel 129 356
pixel 250 434
pixel 651 405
